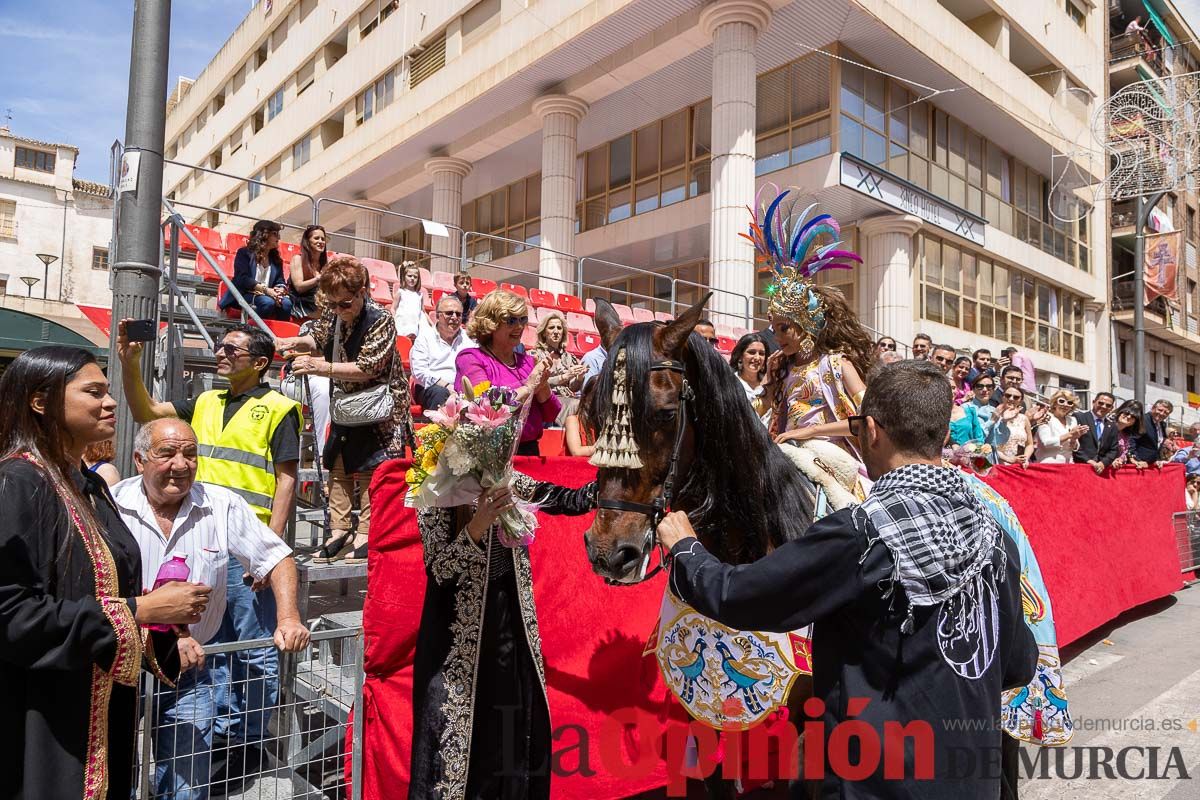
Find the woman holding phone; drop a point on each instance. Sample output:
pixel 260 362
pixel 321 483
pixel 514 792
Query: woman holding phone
pixel 1058 436
pixel 1012 431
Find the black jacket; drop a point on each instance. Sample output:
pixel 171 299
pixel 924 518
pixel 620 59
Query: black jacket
pixel 245 274
pixel 1089 443
pixel 833 578
pixel 1147 445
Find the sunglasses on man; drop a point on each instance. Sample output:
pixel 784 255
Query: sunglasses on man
pixel 230 350
pixel 450 314
pixel 887 345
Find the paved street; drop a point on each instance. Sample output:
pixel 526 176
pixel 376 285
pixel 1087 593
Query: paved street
pixel 1143 668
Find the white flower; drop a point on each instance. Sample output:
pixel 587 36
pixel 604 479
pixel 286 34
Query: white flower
pixel 460 463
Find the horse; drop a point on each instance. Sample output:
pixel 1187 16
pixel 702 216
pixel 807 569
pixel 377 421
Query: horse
pixel 703 451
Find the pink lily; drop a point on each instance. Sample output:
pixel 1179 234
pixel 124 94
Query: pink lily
pixel 483 415
pixel 447 416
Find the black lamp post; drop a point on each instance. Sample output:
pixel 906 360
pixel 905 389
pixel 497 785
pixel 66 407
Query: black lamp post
pixel 29 281
pixel 46 260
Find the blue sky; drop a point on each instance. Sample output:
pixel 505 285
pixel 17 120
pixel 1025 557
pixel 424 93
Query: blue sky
pixel 67 63
pixel 66 66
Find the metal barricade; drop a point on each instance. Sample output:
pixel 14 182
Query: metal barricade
pixel 191 749
pixel 1187 540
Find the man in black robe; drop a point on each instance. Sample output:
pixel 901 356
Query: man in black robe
pixel 914 597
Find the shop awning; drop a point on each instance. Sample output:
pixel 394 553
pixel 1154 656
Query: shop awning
pixel 20 332
pixel 1158 22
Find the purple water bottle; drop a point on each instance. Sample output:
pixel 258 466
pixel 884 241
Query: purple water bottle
pixel 176 569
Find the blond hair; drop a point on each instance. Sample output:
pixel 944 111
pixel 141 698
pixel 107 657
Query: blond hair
pixel 491 312
pixel 1067 393
pixel 541 329
pixel 404 267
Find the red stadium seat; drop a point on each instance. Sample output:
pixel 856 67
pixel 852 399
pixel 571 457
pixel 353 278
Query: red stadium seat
pixel 516 289
pixel 663 316
pixel 725 344
pixel 481 286
pixel 287 251
pixel 282 329
pixel 579 322
pixel 381 292
pixel 438 294
pixel 209 239
pixel 205 271
pixel 426 278
pixel 568 303
pixel 587 342
pixel 236 241
pixel 541 298
pixel 442 280
pixel 529 337
pixel 643 315
pixel 403 347
pixel 572 345
pixel 624 312
pixel 381 270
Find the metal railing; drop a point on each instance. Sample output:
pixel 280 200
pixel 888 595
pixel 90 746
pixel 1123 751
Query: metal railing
pixel 1187 539
pixel 291 744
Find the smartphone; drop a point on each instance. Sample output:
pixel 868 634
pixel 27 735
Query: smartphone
pixel 140 330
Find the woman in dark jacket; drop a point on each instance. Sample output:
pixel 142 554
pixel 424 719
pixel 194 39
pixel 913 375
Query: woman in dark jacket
pixel 258 274
pixel 74 641
pixel 354 344
pixel 1116 447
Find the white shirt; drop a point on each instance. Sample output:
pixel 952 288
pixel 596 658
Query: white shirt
pixel 432 357
pixel 212 523
pixel 410 312
pixel 754 394
pixel 260 274
pixel 1049 448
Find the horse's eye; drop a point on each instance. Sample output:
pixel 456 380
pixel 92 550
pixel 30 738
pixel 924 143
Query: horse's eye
pixel 664 415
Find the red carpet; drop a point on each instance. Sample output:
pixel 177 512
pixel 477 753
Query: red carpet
pixel 1105 545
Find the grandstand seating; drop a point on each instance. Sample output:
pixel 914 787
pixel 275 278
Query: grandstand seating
pixel 481 286
pixel 516 289
pixel 569 303
pixel 236 241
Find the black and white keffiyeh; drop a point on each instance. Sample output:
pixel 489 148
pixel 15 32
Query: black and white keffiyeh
pixel 946 548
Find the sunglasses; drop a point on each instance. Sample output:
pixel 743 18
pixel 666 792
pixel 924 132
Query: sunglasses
pixel 981 385
pixel 522 321
pixel 887 345
pixel 450 313
pixel 345 305
pixel 1062 401
pixel 1012 397
pixel 230 350
pixel 858 424
pixel 711 340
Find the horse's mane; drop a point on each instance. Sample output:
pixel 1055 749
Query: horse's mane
pixel 742 494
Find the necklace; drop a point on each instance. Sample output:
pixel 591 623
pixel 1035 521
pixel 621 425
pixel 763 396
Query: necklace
pixel 492 353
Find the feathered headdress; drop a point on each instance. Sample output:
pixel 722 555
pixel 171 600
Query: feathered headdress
pixel 787 243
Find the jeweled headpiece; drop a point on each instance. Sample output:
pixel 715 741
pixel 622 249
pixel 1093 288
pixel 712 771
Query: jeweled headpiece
pixel 787 243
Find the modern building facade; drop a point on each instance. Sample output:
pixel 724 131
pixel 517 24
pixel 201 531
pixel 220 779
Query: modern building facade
pixel 613 147
pixel 1168 48
pixel 47 215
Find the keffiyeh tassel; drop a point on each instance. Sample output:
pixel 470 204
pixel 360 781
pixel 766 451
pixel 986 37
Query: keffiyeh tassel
pixel 616 447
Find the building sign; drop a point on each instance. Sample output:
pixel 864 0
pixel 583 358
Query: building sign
pixel 903 196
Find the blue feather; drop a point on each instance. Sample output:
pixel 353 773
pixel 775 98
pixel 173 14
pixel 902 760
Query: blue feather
pixel 799 234
pixel 801 247
pixel 772 246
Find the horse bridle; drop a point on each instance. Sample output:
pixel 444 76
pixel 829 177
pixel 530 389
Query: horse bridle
pixel 657 509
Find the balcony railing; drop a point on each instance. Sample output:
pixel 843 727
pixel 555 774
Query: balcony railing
pixel 1134 45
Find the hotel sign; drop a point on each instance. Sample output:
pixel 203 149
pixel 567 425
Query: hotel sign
pixel 894 191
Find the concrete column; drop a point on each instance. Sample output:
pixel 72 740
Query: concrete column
pixel 560 116
pixel 368 225
pixel 1097 346
pixel 448 174
pixel 888 301
pixel 734 26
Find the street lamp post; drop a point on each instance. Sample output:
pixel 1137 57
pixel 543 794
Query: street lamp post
pixel 46 260
pixel 29 281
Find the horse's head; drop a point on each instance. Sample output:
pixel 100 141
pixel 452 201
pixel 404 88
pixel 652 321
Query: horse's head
pixel 649 442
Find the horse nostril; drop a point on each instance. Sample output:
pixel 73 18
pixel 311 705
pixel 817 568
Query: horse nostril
pixel 622 558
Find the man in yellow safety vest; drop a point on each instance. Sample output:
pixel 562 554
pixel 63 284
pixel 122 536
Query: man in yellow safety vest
pixel 249 443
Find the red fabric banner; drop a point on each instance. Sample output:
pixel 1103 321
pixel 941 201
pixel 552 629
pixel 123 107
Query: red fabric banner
pixel 1105 545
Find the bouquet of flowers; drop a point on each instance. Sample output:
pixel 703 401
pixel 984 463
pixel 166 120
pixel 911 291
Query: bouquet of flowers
pixel 974 456
pixel 468 449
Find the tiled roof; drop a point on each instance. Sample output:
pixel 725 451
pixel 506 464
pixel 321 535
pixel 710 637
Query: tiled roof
pixel 90 187
pixel 35 142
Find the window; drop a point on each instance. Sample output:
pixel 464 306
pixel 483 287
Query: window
pixel 100 258
pixel 1191 378
pixel 305 76
pixel 215 160
pixel 257 120
pixel 1167 369
pixel 233 203
pixel 301 151
pixel 512 212
pixel 39 160
pixel 1152 357
pixel 1077 14
pixel 306 8
pixel 260 55
pixel 8 219
pixel 1123 357
pixel 793 108
pixel 235 141
pixel 255 187
pixel 479 20
pixel 275 104
pixel 377 96
pixel 968 290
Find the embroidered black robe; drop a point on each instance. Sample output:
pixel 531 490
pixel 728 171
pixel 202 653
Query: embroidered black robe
pixel 70 657
pixel 481 722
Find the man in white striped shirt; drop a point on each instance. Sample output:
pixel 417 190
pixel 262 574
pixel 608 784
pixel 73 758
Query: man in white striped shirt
pixel 170 514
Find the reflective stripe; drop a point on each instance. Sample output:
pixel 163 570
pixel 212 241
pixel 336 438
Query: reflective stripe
pixel 234 455
pixel 253 498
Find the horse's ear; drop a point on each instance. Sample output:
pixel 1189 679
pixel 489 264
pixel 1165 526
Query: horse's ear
pixel 607 322
pixel 677 332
